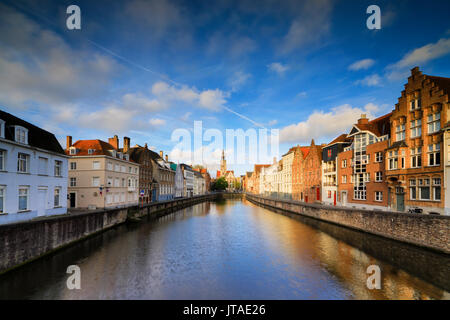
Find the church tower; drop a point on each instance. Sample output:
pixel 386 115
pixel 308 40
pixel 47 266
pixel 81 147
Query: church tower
pixel 223 164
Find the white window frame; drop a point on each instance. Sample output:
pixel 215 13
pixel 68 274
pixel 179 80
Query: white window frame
pixel 57 197
pixel 2 128
pixel 94 179
pixel 379 176
pixel 3 198
pixel 94 165
pixel 434 122
pixel 73 165
pixel 379 196
pixel 58 168
pixel 434 155
pixel 436 183
pixel 416 128
pixel 73 151
pixel 20 161
pixel 344 163
pixel 412 186
pixel 3 160
pixel 73 181
pixel 424 183
pixel 21 134
pixel 416 155
pixel 400 132
pixel 379 156
pixel 27 194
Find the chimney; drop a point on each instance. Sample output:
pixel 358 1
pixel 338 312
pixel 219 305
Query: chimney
pixel 68 142
pixel 161 154
pixel 146 146
pixel 415 70
pixel 167 158
pixel 114 142
pixel 363 119
pixel 126 144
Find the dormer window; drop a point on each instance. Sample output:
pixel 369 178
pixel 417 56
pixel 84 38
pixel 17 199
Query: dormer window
pixel 127 157
pixel 21 135
pixel 73 150
pixel 120 155
pixel 2 128
pixel 91 151
pixel 113 153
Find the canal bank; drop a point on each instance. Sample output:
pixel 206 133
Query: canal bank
pixel 426 231
pixel 27 241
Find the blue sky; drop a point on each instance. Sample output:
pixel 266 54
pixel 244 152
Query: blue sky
pixel 145 68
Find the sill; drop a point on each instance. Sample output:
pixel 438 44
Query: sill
pixel 3 214
pixel 57 207
pixel 433 166
pixel 23 211
pixel 18 172
pixel 43 175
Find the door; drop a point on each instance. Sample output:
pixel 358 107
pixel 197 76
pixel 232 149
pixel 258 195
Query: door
pixel 72 198
pixel 344 198
pixel 400 202
pixel 42 202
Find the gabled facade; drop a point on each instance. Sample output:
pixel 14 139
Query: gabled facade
pixel 415 164
pixel 33 171
pixel 300 152
pixel 329 168
pixel 361 166
pixel 166 178
pixel 312 174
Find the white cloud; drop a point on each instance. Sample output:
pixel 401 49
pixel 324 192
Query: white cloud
pixel 278 67
pixel 361 64
pixel 157 122
pixel 370 81
pixel 238 80
pixel 302 94
pixel 208 99
pixel 39 67
pixel 326 125
pixel 310 25
pixel 417 57
pixel 272 122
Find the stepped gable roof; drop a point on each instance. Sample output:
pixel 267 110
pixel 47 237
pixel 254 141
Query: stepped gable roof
pixel 441 82
pixel 37 137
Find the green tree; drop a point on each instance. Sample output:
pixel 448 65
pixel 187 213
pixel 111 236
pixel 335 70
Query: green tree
pixel 220 184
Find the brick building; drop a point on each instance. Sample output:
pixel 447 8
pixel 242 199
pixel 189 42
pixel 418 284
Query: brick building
pixel 415 170
pixel 329 168
pixel 312 174
pixel 297 171
pixel 361 166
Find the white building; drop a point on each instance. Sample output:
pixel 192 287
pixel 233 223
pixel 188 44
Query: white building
pixel 188 175
pixel 33 171
pixel 199 184
pixel 179 182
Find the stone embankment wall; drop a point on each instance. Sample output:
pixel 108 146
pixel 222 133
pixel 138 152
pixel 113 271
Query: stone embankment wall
pixel 428 231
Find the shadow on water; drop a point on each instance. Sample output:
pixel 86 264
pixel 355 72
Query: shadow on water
pixel 431 266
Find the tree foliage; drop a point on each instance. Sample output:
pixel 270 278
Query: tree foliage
pixel 220 184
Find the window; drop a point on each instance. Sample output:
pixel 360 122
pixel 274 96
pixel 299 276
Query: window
pixel 434 122
pixel 424 189
pixel 367 177
pixel 437 189
pixel 117 168
pixel 22 162
pixel 23 198
pixel 344 179
pixel 58 168
pixel 123 182
pixel 57 197
pixel 2 199
pixel 129 169
pixel 416 157
pixel 2 129
pixel 96 182
pixel 416 103
pixel 344 163
pixel 21 135
pixel 109 182
pixel 96 165
pixel 400 132
pixel 73 182
pixel 412 189
pixel 416 128
pixel 378 196
pixel 73 166
pixel 2 160
pixel 91 151
pixel 117 182
pixel 378 156
pixel 73 150
pixel 393 160
pixel 378 176
pixel 434 154
pixel 123 169
pixel 110 166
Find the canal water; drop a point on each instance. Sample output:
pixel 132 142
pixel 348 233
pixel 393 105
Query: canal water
pixel 232 249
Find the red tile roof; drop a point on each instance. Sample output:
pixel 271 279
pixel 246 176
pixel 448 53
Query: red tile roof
pixel 101 148
pixel 341 138
pixel 379 126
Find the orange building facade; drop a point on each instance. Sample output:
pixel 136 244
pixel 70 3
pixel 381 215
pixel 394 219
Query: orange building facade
pixel 312 175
